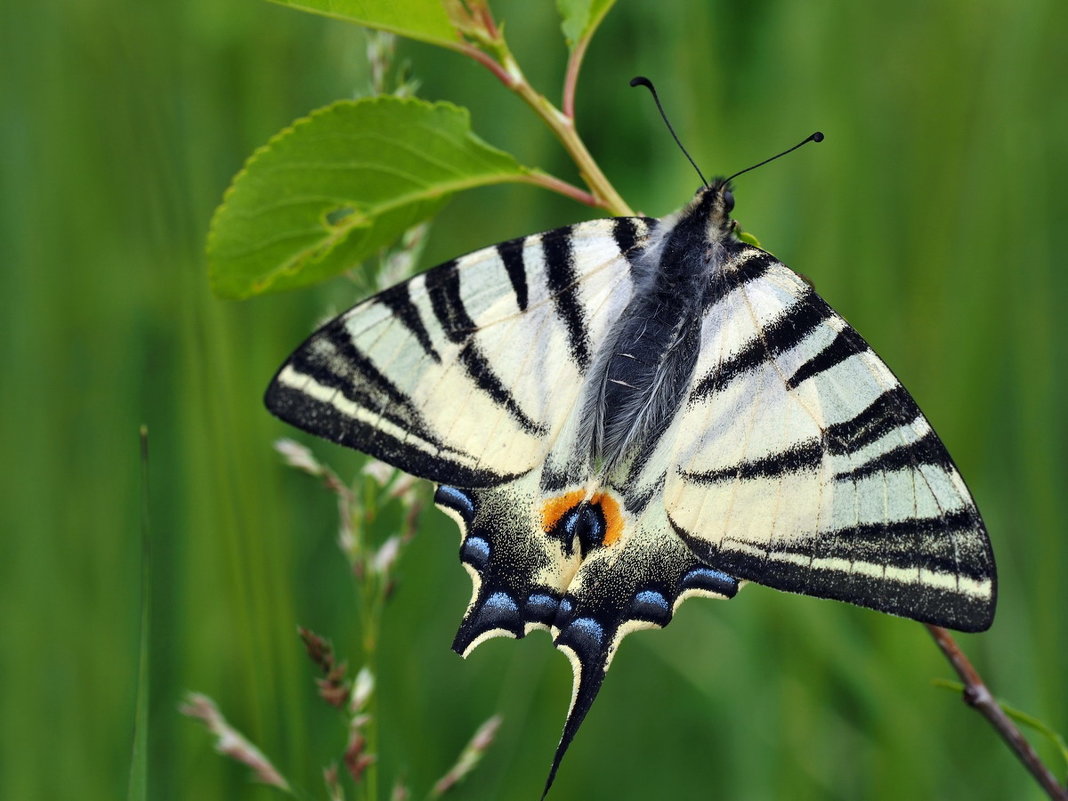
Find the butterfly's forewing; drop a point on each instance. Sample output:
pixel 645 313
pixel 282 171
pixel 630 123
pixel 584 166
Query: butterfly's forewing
pixel 809 468
pixel 465 374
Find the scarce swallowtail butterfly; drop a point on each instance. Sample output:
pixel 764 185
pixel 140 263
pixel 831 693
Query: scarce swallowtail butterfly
pixel 625 413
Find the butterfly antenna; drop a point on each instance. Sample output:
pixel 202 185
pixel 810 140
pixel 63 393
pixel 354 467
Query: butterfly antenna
pixel 643 81
pixel 816 137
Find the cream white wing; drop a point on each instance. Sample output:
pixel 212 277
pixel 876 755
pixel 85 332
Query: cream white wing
pixel 802 463
pixel 465 374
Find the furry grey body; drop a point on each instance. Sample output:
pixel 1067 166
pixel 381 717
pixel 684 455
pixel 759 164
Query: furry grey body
pixel 640 375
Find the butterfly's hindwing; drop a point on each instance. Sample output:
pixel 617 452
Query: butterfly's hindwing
pixel 583 567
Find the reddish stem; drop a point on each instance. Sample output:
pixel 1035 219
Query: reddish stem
pixel 574 63
pixel 977 695
pixel 489 63
pixel 554 184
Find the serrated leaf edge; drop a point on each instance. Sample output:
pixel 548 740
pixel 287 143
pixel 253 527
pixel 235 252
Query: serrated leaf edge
pixel 330 242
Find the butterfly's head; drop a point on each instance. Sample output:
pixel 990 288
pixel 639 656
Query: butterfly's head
pixel 714 203
pixel 723 204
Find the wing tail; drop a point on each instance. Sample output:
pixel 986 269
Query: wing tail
pixel 584 642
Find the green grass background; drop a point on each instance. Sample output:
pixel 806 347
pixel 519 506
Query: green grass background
pixel 932 218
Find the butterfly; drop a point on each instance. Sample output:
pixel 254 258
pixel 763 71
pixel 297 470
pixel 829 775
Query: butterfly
pixel 625 413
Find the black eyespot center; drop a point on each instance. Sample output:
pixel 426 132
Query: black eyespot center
pixel 584 524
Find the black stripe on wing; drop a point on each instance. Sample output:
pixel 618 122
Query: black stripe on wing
pixel 443 288
pixel 893 409
pixel 781 334
pixel 825 566
pixel 478 367
pixel 847 343
pixel 511 254
pixel 637 493
pixel 804 456
pixel 325 420
pixel 927 450
pixel 331 359
pixel 398 300
pixel 629 232
pixel 742 272
pixel 563 284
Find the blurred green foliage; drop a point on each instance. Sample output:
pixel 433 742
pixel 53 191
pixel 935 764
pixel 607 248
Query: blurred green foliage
pixel 931 218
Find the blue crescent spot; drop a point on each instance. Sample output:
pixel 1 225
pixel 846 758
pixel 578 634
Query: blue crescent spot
pixel 476 551
pixel 652 602
pixel 586 633
pixel 705 578
pixel 454 498
pixel 497 611
pixel 541 608
pixel 565 607
pixel 502 601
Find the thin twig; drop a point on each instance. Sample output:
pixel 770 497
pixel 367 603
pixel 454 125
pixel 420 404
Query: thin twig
pixel 564 129
pixel 486 60
pixel 574 63
pixel 502 64
pixel 977 695
pixel 554 184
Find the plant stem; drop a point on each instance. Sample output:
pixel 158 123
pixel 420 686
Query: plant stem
pixel 574 60
pixel 977 695
pixel 574 63
pixel 554 184
pixel 371 614
pixel 564 128
pixel 562 124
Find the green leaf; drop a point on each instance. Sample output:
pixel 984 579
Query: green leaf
pixel 339 185
pixel 425 20
pixel 581 18
pixel 747 237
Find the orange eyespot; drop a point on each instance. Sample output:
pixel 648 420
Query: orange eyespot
pixel 555 508
pixel 613 517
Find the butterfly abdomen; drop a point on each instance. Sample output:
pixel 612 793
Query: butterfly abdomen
pixel 640 376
